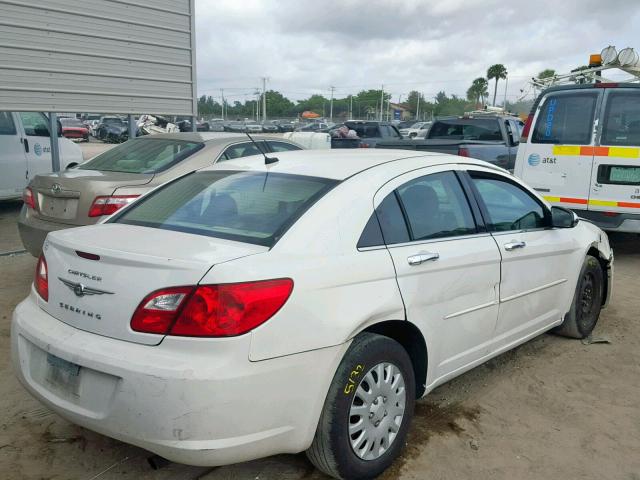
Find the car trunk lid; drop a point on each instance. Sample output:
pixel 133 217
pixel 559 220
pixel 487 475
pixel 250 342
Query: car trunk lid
pixel 66 197
pixel 101 295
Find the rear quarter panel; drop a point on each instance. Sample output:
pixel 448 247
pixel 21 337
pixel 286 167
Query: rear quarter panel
pixel 338 290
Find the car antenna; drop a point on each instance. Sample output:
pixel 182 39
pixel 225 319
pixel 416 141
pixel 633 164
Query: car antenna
pixel 267 160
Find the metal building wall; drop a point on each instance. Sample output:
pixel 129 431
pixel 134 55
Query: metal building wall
pixel 107 56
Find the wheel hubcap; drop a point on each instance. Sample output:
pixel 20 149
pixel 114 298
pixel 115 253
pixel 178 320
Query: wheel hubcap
pixel 586 302
pixel 377 410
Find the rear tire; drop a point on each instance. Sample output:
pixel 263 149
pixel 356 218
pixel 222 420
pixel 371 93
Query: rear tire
pixel 367 412
pixel 582 318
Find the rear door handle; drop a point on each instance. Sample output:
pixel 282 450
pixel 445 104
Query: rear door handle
pixel 422 257
pixel 513 245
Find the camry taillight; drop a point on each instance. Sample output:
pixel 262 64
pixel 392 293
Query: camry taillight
pixel 224 310
pixel 107 205
pixel 41 280
pixel 463 152
pixel 29 198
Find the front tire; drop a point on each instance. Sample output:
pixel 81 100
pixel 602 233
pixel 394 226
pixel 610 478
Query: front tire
pixel 367 412
pixel 582 318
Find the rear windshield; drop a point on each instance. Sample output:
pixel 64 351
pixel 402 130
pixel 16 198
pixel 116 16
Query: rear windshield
pixel 365 130
pixel 251 207
pixel 486 129
pixel 143 155
pixel 71 122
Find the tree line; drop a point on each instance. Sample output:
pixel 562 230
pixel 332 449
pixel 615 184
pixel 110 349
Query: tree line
pixel 366 104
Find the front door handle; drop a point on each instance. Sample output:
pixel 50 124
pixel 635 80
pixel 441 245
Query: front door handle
pixel 513 245
pixel 26 145
pixel 422 257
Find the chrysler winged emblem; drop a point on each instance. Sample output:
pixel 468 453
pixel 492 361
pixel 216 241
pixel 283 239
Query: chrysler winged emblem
pixel 56 188
pixel 81 290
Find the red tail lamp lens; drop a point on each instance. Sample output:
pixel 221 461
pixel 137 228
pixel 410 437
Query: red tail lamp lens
pixel 41 280
pixel 211 310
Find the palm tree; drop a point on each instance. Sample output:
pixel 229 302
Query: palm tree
pixel 547 73
pixel 497 71
pixel 478 90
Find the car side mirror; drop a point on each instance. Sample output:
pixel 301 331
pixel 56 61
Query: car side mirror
pixel 563 217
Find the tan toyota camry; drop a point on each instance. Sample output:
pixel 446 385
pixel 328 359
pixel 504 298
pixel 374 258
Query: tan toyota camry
pixel 88 192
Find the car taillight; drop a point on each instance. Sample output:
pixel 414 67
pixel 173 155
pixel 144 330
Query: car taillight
pixel 463 152
pixel 29 198
pixel 525 131
pixel 224 310
pixel 363 145
pixel 41 280
pixel 107 205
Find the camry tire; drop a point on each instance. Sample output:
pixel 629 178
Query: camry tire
pixel 367 412
pixel 581 319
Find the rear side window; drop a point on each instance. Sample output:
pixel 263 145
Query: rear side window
pixel 386 225
pixel 143 155
pixel 510 207
pixel 242 150
pixel 566 119
pixel 622 119
pixel 251 207
pixel 436 206
pixel 7 126
pixel 283 147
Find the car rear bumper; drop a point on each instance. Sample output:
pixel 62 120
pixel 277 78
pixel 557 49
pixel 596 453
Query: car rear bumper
pixel 33 231
pixel 193 401
pixel 621 222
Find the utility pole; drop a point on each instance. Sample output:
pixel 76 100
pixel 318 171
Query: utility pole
pixel 331 105
pixel 418 108
pixel 350 107
pixel 257 94
pixel 264 99
pixel 506 84
pixel 381 100
pixel 222 95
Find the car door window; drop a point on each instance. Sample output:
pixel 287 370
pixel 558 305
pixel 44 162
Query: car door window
pixel 282 147
pixel 509 206
pixel 240 150
pixel 566 119
pixel 7 126
pixel 436 206
pixel 622 119
pixel 35 124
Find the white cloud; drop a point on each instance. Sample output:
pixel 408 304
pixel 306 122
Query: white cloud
pixel 305 46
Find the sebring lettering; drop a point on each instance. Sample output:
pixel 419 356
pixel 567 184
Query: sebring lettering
pixel 80 311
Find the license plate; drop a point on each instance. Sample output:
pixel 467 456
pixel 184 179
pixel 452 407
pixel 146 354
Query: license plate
pixel 62 375
pixel 64 208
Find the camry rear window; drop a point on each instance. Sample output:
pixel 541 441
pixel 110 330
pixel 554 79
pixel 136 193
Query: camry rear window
pixel 251 207
pixel 143 155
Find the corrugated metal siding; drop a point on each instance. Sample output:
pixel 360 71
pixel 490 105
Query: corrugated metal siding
pixel 108 56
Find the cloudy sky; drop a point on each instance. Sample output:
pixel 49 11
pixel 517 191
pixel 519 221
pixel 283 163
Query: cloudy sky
pixel 306 46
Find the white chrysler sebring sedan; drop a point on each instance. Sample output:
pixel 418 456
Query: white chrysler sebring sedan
pixel 267 306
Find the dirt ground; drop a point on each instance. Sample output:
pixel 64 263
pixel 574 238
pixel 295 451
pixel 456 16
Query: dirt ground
pixel 551 409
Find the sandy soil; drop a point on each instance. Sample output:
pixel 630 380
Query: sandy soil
pixel 553 408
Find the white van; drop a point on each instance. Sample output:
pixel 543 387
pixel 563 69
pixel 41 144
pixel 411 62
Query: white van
pixel 580 149
pixel 25 151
